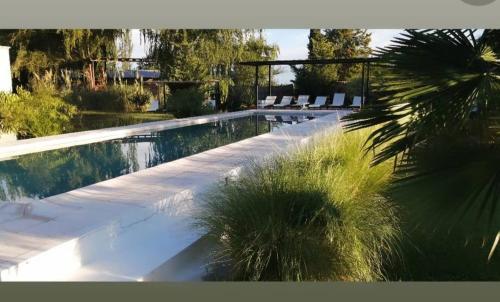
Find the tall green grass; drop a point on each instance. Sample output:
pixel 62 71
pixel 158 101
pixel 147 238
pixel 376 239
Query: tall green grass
pixel 315 214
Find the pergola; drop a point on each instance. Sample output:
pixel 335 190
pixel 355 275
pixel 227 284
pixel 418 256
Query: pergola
pixel 161 82
pixel 93 61
pixel 121 59
pixel 365 70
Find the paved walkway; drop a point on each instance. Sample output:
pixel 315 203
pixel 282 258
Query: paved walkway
pixel 124 228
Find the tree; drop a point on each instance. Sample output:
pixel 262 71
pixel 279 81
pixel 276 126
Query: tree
pixel 255 48
pixel 188 54
pixel 35 50
pixel 437 114
pixel 315 79
pixel 327 44
pixel 203 55
pixel 349 43
pixel 124 48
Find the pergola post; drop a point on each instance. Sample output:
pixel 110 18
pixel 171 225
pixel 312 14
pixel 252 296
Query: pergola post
pixel 368 80
pixel 164 86
pixel 363 85
pixel 256 85
pixel 270 77
pixel 365 71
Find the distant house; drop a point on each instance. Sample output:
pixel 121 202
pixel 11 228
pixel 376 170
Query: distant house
pixel 5 75
pixel 131 75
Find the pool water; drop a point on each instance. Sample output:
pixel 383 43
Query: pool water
pixel 40 175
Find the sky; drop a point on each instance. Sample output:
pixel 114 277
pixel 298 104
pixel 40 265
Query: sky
pixel 292 44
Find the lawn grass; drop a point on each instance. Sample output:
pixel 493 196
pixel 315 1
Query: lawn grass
pixel 91 120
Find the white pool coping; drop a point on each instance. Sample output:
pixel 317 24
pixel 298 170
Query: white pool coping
pixel 125 227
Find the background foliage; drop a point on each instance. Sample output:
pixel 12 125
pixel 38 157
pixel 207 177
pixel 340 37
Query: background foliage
pixel 212 54
pixel 437 108
pixel 34 114
pixel 326 44
pixel 117 98
pixel 187 102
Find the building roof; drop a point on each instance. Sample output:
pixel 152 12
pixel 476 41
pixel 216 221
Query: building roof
pixel 311 62
pixel 135 74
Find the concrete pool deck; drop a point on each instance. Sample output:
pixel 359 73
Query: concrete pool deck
pixel 124 228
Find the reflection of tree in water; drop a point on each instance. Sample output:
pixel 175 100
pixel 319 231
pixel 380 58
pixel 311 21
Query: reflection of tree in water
pixel 49 173
pixel 181 142
pixel 131 157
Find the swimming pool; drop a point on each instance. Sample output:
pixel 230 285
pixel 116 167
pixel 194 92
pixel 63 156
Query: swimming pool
pixel 39 175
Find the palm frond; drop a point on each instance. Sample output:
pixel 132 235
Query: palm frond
pixel 431 82
pixel 437 103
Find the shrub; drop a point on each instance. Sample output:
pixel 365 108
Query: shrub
pixel 353 87
pixel 240 97
pixel 118 98
pixel 448 197
pixel 317 214
pixel 140 99
pixel 34 114
pixel 187 102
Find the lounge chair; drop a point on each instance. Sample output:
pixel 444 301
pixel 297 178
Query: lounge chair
pixel 270 118
pixel 268 102
pixel 338 100
pixel 285 102
pixel 356 102
pixel 300 118
pixel 319 102
pixel 284 119
pixel 302 101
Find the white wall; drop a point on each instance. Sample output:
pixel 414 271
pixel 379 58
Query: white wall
pixel 5 75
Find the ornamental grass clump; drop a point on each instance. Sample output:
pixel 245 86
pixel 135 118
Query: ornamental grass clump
pixel 316 214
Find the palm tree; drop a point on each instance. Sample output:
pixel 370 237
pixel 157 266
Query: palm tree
pixel 436 113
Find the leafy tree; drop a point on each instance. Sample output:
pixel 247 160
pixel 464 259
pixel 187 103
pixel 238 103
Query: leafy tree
pixel 256 48
pixel 348 43
pixel 124 48
pixel 188 54
pixel 432 81
pixel 327 44
pixel 437 112
pixel 37 50
pixel 203 55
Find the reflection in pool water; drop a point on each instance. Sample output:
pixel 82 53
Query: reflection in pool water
pixel 40 175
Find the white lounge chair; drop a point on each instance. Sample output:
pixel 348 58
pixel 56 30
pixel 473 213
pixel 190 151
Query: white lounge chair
pixel 270 118
pixel 338 100
pixel 356 102
pixel 319 102
pixel 302 101
pixel 268 102
pixel 285 102
pixel 286 119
